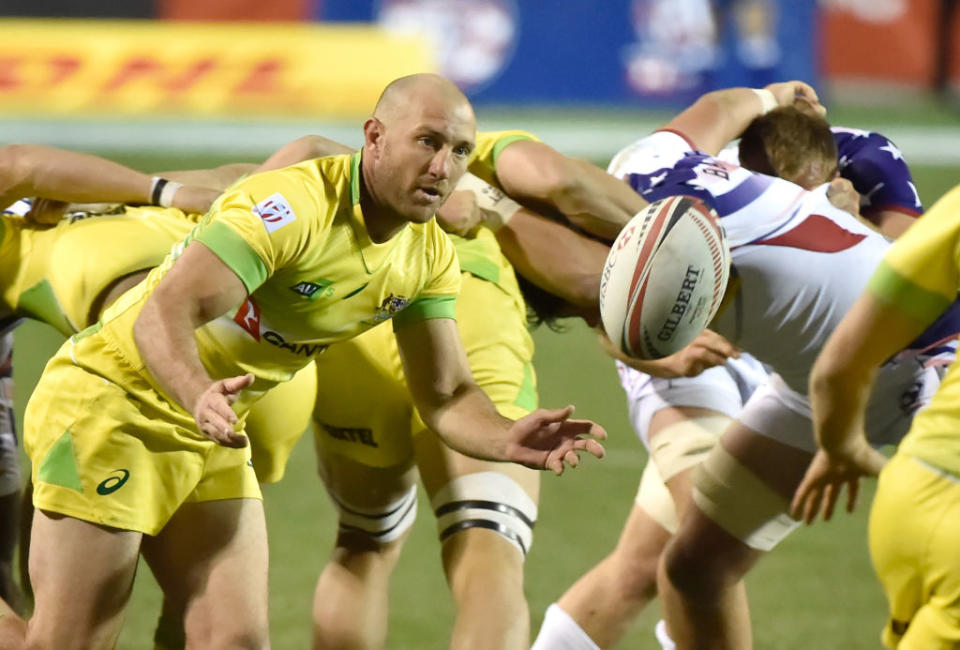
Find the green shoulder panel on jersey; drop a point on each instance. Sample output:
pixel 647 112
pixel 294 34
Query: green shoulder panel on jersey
pixel 40 302
pixel 891 287
pixel 234 251
pixel 425 309
pixel 489 146
pixel 478 257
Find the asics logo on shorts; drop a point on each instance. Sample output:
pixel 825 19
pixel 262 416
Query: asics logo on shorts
pixel 113 483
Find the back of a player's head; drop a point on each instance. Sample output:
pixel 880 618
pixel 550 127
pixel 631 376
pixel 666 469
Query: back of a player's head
pixel 790 143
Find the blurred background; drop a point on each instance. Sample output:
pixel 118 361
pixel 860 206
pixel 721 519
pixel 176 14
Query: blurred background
pixel 162 84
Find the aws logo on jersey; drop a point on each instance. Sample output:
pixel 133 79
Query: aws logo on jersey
pixel 275 212
pixel 313 290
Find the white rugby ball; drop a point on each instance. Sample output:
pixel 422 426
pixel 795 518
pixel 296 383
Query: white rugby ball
pixel 664 278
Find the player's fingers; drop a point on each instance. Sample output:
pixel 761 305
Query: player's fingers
pixel 811 504
pixel 554 463
pixel 590 446
pixel 571 458
pixel 853 490
pixel 221 408
pixel 575 428
pixel 236 384
pixel 554 415
pixel 718 343
pixel 830 494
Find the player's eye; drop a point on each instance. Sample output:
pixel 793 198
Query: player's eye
pixel 428 141
pixel 462 150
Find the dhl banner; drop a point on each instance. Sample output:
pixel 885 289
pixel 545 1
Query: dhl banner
pixel 200 69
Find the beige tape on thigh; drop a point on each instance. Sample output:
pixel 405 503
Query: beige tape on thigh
pixel 740 503
pixel 655 499
pixel 682 445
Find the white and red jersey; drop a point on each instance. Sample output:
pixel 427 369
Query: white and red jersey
pixel 799 263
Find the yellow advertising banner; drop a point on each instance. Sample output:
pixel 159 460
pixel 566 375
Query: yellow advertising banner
pixel 71 67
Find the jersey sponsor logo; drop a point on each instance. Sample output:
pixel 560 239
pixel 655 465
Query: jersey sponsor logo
pixel 313 290
pixel 248 317
pixel 275 212
pixel 113 483
pixel 302 349
pixel 359 435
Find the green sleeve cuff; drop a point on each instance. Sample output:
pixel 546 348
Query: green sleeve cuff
pixel 890 286
pixel 504 142
pixel 425 309
pixel 234 251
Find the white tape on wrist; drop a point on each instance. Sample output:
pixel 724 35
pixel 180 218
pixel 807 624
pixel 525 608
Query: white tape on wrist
pixel 496 206
pixel 767 99
pixel 168 192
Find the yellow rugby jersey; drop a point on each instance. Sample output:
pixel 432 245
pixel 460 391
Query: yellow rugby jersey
pixel 480 255
pixel 54 274
pixel 296 238
pixel 920 275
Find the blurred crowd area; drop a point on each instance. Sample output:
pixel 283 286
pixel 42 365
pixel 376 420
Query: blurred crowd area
pixel 331 57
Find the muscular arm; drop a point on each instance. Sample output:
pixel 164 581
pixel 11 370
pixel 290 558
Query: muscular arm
pixel 532 172
pixel 554 257
pixel 217 178
pixel 198 288
pixel 453 406
pixel 892 223
pixel 305 148
pixel 720 116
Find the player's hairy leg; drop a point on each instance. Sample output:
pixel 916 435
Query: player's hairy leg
pixel 211 557
pixel 606 600
pixel 82 576
pixel 484 568
pixel 350 605
pixel 702 568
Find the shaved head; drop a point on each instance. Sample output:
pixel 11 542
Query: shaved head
pixel 404 96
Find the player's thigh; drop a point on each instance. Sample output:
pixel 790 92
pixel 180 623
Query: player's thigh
pixel 276 422
pixel 920 572
pixel 82 574
pixel 212 558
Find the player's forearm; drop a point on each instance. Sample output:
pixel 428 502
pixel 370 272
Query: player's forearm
pixel 554 257
pixel 838 396
pixel 468 422
pixel 164 334
pixel 34 170
pixel 216 178
pixel 305 148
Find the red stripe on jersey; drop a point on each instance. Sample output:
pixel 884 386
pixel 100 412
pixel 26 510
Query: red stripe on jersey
pixel 816 233
pixel 872 211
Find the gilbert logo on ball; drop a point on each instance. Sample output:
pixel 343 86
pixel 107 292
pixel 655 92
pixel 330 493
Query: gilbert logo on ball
pixel 664 278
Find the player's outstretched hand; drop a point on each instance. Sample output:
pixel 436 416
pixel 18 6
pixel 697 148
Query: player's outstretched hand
pixel 194 199
pixel 820 488
pixel 548 439
pixel 213 414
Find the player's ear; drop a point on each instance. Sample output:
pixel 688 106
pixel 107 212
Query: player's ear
pixel 373 133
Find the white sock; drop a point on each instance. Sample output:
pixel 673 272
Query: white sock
pixel 664 639
pixel 560 632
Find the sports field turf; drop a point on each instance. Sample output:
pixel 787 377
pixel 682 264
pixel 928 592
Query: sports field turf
pixel 816 591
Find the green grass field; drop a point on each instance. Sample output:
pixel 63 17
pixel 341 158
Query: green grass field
pixel 817 590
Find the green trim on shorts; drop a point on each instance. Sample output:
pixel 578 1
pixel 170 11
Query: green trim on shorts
pixel 59 466
pixel 527 397
pixel 40 302
pixel 234 251
pixel 892 287
pixel 504 142
pixel 425 309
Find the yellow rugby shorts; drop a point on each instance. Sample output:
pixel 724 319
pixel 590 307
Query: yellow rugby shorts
pixel 914 528
pixel 121 457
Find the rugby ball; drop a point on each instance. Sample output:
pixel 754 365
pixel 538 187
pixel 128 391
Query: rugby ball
pixel 664 277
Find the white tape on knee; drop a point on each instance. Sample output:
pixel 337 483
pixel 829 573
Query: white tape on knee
pixel 684 444
pixel 488 500
pixel 740 503
pixel 384 524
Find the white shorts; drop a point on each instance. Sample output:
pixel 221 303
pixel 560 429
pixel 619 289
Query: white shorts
pixel 724 389
pixel 780 413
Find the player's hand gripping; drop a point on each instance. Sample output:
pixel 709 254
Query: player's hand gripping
pixel 843 195
pixel 546 439
pixel 820 488
pixel 213 414
pixel 789 92
pixel 460 214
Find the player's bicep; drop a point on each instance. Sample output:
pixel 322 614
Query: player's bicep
pixel 201 283
pixel 305 148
